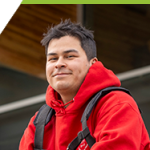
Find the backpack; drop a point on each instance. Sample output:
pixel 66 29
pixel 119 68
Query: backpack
pixel 45 113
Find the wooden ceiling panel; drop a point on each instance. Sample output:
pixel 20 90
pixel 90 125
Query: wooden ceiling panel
pixel 20 47
pixel 118 31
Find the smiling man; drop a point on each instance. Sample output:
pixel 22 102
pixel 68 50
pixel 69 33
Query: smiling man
pixel 75 75
pixel 67 66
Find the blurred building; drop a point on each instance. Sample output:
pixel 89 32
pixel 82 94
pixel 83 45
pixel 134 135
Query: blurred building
pixel 122 34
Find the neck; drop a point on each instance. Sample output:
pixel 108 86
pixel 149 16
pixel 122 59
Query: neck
pixel 67 95
pixel 67 98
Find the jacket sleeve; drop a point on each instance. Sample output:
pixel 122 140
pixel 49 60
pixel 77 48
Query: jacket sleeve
pixel 27 140
pixel 119 126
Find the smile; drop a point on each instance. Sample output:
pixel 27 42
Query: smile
pixel 61 74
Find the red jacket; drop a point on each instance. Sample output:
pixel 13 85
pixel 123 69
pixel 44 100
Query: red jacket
pixel 115 122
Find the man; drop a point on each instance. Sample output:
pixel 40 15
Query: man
pixel 75 75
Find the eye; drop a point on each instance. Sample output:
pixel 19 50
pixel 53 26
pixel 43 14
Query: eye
pixel 52 59
pixel 70 56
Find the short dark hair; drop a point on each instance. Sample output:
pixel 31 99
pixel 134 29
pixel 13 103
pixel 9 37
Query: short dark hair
pixel 65 28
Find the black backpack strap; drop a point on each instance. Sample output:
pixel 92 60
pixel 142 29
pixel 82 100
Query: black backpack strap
pixel 43 117
pixel 85 133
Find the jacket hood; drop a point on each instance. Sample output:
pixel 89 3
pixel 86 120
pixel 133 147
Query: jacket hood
pixel 97 78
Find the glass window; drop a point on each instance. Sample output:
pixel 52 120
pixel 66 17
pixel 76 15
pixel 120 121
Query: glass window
pixel 15 87
pixel 121 33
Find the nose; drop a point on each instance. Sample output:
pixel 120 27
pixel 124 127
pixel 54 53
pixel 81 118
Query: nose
pixel 60 63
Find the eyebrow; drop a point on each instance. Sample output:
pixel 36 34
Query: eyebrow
pixel 66 51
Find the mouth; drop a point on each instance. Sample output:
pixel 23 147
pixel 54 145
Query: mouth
pixel 60 74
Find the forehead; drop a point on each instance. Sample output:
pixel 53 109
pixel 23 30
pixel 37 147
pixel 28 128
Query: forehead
pixel 64 43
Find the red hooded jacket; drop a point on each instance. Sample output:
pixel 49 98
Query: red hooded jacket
pixel 115 122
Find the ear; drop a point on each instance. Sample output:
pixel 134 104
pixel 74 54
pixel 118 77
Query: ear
pixel 93 60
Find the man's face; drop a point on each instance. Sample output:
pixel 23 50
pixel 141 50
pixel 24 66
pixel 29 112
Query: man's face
pixel 67 64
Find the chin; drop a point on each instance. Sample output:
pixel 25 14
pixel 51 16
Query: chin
pixel 60 87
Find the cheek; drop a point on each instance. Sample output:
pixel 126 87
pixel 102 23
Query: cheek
pixel 82 69
pixel 49 70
